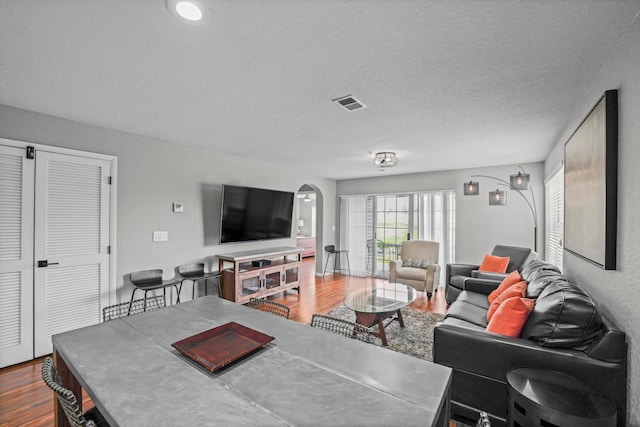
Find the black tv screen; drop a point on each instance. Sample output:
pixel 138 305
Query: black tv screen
pixel 255 214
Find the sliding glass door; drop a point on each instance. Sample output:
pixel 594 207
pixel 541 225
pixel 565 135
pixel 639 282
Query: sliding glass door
pixel 393 221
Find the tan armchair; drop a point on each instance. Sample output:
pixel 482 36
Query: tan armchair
pixel 422 278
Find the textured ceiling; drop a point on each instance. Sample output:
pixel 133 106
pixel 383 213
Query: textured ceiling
pixel 448 84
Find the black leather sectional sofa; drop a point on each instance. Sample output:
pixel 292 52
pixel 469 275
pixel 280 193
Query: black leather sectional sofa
pixel 564 332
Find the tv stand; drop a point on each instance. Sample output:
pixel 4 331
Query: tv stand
pixel 241 280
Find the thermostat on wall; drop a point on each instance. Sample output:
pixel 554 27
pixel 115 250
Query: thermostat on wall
pixel 178 207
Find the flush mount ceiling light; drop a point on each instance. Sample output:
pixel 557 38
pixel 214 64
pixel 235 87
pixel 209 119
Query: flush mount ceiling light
pixel 385 159
pixel 191 11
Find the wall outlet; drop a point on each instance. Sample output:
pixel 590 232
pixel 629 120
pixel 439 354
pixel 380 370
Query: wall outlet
pixel 160 236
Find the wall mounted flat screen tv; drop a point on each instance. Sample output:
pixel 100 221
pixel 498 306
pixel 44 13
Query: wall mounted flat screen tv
pixel 250 214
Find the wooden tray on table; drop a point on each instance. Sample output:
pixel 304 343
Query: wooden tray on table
pixel 218 347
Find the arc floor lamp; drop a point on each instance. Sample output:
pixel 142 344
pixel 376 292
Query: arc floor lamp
pixel 518 182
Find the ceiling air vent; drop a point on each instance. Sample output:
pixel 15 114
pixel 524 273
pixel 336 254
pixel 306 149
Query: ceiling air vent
pixel 350 103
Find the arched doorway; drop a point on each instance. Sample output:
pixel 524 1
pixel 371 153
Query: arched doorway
pixel 309 222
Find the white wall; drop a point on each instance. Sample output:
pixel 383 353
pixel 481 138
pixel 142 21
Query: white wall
pixel 617 293
pixel 153 174
pixel 479 227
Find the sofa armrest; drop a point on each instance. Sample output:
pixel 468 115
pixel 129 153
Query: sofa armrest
pixel 490 275
pixel 460 269
pixel 393 268
pixel 492 355
pixel 481 286
pixel 488 354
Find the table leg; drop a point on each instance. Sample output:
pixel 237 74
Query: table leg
pixel 370 319
pixel 70 382
pixel 400 319
pixel 381 334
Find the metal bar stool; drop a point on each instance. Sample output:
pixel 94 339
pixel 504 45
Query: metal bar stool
pixel 149 280
pixel 331 250
pixel 195 272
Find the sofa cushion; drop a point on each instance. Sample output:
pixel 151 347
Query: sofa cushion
pixel 511 279
pixel 412 273
pixel 462 323
pixel 517 255
pixel 564 316
pixel 468 312
pixel 475 298
pixel 494 263
pixel 515 290
pixel 535 266
pixel 540 280
pixel 511 316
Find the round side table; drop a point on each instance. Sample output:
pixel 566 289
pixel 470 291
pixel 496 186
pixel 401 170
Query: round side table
pixel 542 397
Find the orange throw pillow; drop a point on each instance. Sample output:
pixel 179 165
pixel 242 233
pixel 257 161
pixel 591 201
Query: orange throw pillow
pixel 517 290
pixel 495 264
pixel 511 316
pixel 511 279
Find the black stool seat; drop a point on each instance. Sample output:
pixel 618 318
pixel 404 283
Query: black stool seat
pixel 149 280
pixel 331 250
pixel 195 272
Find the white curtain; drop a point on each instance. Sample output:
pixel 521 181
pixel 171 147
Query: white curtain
pixel 437 222
pixel 356 227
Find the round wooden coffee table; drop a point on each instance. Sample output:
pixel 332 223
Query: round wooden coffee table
pixel 373 304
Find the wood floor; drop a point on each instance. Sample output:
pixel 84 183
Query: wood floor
pixel 26 401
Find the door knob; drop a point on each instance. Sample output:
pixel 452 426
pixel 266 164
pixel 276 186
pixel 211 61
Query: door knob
pixel 46 263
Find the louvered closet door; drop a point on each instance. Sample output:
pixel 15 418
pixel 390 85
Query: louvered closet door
pixel 16 256
pixel 71 236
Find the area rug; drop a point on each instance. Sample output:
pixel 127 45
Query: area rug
pixel 415 339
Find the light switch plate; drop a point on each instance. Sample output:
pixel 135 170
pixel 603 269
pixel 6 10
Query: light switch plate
pixel 160 236
pixel 178 207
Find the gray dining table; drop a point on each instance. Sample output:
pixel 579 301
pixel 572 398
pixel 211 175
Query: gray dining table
pixel 304 377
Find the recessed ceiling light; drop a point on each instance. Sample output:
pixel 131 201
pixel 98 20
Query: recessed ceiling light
pixel 190 10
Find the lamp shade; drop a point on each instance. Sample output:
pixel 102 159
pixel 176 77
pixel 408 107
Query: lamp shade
pixel 497 198
pixel 519 181
pixel 471 188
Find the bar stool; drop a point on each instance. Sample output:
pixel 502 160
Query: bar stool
pixel 149 280
pixel 331 250
pixel 195 272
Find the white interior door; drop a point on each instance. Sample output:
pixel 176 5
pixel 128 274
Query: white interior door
pixel 16 255
pixel 71 274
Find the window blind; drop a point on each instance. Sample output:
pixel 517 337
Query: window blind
pixel 554 217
